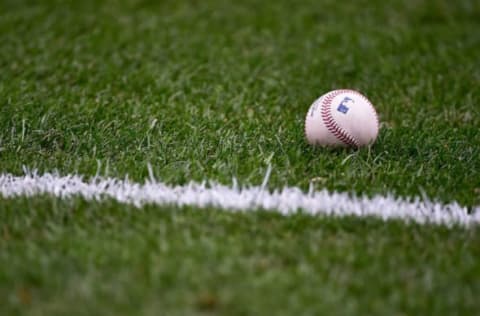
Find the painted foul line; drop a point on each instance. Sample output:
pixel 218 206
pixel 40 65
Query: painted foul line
pixel 288 200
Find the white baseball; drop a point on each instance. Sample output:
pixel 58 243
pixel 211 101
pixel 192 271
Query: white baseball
pixel 342 118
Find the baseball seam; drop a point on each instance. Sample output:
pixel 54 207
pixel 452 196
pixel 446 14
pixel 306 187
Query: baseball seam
pixel 330 122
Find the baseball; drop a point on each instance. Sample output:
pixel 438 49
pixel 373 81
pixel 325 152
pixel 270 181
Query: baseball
pixel 342 118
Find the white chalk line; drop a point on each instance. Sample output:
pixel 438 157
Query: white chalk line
pixel 288 200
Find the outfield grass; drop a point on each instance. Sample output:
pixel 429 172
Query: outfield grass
pixel 215 90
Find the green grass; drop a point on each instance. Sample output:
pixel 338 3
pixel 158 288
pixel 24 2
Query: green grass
pixel 213 89
pixel 82 258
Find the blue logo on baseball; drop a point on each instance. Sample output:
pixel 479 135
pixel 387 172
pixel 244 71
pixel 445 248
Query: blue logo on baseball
pixel 343 107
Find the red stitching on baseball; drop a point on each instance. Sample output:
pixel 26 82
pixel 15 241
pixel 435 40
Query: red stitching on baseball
pixel 329 121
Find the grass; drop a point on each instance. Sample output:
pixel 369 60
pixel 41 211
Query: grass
pixel 216 90
pixel 79 258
